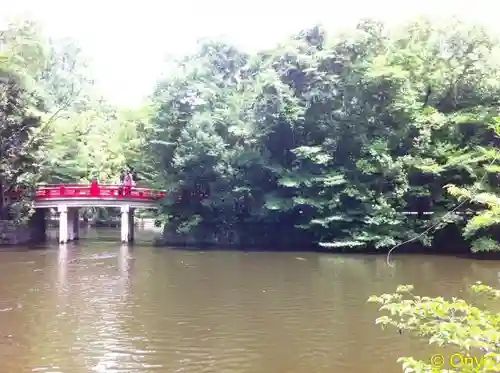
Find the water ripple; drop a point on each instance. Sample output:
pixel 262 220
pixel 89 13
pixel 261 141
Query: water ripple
pixel 142 310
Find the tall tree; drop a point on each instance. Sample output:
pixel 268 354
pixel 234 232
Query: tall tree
pixel 328 138
pixel 19 141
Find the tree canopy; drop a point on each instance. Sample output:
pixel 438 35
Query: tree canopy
pixel 330 138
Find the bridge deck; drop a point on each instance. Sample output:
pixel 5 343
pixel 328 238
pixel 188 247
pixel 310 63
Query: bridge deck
pixel 96 195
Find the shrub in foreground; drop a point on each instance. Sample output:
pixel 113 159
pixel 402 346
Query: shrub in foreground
pixel 471 332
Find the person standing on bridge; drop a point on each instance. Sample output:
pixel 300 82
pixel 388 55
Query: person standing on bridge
pixel 128 183
pixel 94 187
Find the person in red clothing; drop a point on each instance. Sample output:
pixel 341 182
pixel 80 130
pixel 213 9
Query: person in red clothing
pixel 94 188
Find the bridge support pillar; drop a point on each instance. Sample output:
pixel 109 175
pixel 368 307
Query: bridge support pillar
pixel 127 224
pixel 63 223
pixel 69 224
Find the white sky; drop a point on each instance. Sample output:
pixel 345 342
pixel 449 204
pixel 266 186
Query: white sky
pixel 128 40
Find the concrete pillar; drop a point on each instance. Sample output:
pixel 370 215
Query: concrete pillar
pixel 125 223
pixel 69 224
pixel 63 223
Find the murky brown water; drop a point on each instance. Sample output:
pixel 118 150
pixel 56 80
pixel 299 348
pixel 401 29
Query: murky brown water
pixel 100 307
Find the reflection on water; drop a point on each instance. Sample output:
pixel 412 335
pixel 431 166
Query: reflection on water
pixel 98 306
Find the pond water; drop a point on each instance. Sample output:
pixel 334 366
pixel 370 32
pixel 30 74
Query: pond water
pixel 98 306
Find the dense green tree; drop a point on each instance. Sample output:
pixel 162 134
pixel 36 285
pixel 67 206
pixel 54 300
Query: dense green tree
pixel 19 142
pixel 327 138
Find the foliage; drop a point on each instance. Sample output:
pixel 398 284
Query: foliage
pixel 480 228
pixel 19 141
pixel 328 139
pixel 471 331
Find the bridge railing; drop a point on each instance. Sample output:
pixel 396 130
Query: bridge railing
pixel 97 191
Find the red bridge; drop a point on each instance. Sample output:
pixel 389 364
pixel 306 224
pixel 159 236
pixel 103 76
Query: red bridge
pixel 95 192
pixel 68 198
